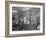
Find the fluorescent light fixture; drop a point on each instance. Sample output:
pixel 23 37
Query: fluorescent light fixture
pixel 14 11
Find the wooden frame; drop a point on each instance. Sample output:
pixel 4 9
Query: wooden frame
pixel 7 19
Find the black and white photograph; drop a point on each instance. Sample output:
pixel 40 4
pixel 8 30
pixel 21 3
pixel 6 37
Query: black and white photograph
pixel 25 18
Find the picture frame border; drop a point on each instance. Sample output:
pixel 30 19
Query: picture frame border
pixel 7 19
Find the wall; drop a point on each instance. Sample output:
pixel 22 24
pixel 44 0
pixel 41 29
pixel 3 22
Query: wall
pixel 2 19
